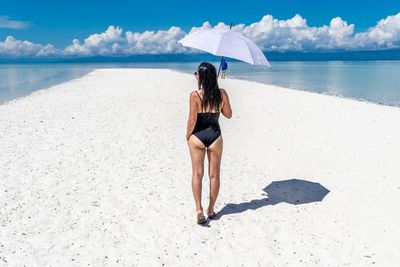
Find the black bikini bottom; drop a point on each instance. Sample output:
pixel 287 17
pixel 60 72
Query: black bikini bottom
pixel 208 136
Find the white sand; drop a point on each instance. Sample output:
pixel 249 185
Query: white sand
pixel 97 171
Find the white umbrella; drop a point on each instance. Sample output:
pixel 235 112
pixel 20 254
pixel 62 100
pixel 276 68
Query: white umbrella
pixel 226 43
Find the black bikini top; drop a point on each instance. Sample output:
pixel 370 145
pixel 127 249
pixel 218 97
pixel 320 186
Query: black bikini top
pixel 206 119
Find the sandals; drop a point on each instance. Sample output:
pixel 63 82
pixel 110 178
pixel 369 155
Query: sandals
pixel 201 219
pixel 213 216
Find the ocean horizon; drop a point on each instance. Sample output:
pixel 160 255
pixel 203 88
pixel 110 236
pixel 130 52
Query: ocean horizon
pixel 373 81
pixel 335 55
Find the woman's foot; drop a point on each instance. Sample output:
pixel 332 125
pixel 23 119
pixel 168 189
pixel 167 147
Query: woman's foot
pixel 200 217
pixel 211 214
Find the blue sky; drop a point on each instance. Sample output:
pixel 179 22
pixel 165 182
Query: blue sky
pixel 59 22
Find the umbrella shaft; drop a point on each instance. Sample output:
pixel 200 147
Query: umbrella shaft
pixel 220 64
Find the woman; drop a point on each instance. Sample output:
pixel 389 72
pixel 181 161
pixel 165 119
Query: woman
pixel 204 134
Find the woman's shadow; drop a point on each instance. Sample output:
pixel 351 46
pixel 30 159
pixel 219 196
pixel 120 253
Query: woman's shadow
pixel 293 191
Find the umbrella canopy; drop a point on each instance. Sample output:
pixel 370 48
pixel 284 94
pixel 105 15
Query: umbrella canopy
pixel 226 43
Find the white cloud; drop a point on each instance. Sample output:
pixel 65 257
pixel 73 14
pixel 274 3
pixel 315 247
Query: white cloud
pixel 386 34
pixel 105 43
pixel 270 33
pixel 112 42
pixel 7 23
pixel 150 42
pixel 16 48
pixel 292 34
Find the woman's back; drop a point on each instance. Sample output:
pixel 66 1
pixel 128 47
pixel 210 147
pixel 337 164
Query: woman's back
pixel 207 125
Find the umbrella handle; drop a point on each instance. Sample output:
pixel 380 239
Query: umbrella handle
pixel 220 64
pixel 222 58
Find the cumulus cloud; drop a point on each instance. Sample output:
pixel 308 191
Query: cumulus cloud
pixel 16 48
pixel 113 42
pixel 7 23
pixel 151 42
pixel 106 43
pixel 386 34
pixel 270 33
pixel 294 34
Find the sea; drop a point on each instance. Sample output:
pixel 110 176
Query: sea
pixel 376 81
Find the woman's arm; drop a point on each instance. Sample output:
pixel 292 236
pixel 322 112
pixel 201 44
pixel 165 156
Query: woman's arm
pixel 226 108
pixel 192 115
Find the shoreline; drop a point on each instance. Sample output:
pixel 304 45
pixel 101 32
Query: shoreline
pixel 45 82
pixel 229 77
pixel 328 94
pixel 301 90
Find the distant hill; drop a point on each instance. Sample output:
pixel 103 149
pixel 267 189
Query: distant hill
pixel 393 54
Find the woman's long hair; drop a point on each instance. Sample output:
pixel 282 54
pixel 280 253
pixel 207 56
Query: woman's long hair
pixel 209 84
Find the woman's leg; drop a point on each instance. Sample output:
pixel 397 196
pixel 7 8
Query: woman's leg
pixel 197 154
pixel 214 154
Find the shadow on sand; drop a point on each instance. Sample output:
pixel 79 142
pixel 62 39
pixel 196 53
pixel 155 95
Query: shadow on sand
pixel 293 191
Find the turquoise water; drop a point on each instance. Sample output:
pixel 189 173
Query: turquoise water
pixel 375 81
pixel 18 80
